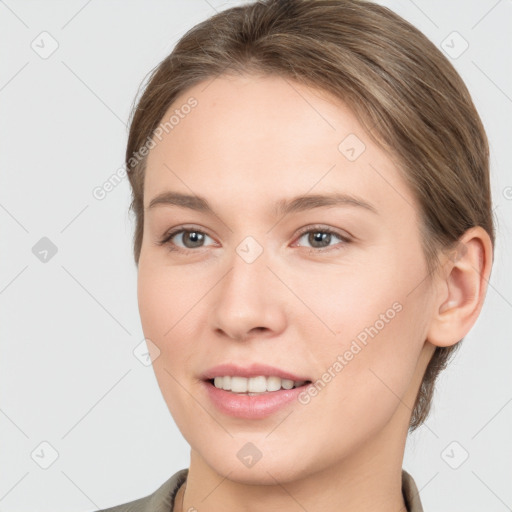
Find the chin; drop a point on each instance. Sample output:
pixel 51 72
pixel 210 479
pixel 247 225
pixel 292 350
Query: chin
pixel 257 461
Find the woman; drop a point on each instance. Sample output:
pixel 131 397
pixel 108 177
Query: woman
pixel 313 237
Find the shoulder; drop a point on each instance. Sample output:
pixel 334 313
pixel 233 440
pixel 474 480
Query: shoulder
pixel 411 493
pixel 161 500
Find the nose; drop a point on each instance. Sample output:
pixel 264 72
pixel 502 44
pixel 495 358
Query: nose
pixel 249 301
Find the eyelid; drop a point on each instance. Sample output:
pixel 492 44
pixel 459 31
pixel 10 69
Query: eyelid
pixel 344 235
pixel 345 238
pixel 165 240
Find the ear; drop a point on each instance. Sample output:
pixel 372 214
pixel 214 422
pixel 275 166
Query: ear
pixel 461 288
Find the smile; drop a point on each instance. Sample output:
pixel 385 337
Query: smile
pixel 254 385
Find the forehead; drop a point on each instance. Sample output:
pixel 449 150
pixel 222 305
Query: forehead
pixel 262 136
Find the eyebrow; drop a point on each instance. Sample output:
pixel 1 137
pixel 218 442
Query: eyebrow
pixel 281 207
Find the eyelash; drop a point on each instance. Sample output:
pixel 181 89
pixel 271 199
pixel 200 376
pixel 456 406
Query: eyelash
pixel 166 240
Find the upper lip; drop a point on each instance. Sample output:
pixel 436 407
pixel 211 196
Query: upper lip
pixel 253 370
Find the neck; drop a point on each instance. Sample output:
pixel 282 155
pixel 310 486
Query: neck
pixel 178 500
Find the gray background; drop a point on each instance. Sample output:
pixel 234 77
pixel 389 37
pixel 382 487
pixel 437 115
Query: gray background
pixel 69 326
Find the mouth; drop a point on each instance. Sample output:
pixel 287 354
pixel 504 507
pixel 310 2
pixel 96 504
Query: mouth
pixel 253 398
pixel 259 385
pixel 253 391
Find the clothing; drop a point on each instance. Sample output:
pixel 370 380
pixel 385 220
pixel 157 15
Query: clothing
pixel 162 500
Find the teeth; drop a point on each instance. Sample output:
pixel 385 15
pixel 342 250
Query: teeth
pixel 273 384
pixel 238 385
pixel 226 382
pixel 254 385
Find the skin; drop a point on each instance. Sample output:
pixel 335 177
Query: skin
pixel 250 142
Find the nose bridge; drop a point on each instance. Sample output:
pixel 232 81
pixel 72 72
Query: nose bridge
pixel 248 275
pixel 246 297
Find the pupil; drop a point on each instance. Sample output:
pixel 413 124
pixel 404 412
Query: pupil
pixel 319 237
pixel 197 236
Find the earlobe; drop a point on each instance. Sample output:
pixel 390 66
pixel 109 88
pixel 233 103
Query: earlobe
pixel 461 288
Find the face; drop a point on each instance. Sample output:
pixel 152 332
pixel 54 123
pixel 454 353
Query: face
pixel 331 291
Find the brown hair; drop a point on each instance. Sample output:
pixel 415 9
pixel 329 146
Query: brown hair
pixel 404 91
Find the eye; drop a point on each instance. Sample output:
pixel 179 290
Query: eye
pixel 191 238
pixel 320 237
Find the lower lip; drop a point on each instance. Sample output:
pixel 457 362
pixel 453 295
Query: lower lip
pixel 252 407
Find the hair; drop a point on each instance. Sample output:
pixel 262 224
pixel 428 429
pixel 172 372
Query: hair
pixel 406 94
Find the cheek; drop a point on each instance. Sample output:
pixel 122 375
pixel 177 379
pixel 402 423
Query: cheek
pixel 152 301
pixel 365 380
pixel 161 306
pixel 345 302
pixel 377 329
pixel 164 296
pixel 169 302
